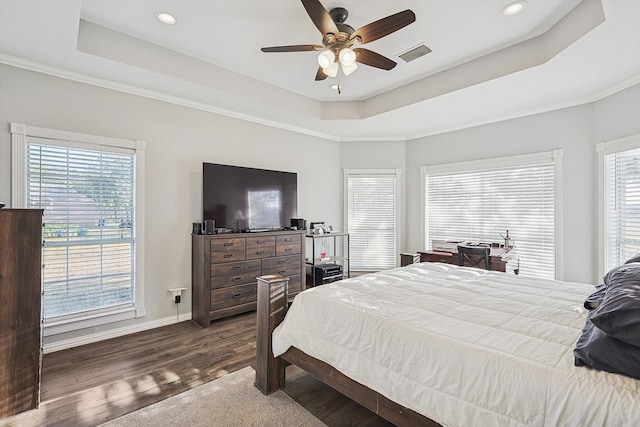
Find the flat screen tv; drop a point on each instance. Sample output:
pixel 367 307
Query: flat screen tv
pixel 248 199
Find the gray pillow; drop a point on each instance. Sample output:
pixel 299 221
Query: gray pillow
pixel 635 258
pixel 600 351
pixel 619 313
pixel 595 298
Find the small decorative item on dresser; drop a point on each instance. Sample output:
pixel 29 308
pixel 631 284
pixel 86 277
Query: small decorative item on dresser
pixel 197 228
pixel 208 226
pixel 298 224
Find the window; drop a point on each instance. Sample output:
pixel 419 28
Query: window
pixel 88 191
pixel 619 176
pixel 371 199
pixel 480 201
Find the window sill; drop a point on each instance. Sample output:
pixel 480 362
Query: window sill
pixel 90 320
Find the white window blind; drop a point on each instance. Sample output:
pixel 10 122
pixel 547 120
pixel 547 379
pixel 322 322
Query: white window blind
pixel 481 204
pixel 371 220
pixel 622 206
pixel 88 197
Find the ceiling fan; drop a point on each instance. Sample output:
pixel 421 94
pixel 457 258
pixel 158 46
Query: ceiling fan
pixel 339 38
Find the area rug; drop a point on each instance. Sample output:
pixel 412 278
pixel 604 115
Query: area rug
pixel 232 400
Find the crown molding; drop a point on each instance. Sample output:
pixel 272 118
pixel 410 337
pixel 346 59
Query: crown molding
pixel 158 96
pixel 530 112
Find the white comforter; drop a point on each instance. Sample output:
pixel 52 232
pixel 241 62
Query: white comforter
pixel 462 346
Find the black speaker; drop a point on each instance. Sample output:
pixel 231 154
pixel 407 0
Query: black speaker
pixel 299 223
pixel 209 226
pixel 197 228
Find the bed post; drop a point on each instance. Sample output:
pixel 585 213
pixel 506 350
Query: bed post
pixel 271 308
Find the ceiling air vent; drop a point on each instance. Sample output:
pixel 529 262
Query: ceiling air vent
pixel 415 53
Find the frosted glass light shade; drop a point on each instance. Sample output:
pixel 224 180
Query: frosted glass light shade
pixel 326 58
pixel 331 70
pixel 349 69
pixel 347 57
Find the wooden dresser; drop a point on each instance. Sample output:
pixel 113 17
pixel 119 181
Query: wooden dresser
pixel 20 309
pixel 225 267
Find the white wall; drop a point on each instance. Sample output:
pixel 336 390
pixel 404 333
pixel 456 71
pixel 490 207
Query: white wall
pixel 178 140
pixel 618 115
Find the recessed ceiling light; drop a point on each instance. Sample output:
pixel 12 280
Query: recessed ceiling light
pixel 166 18
pixel 514 8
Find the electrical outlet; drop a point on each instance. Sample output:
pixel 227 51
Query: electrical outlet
pixel 176 294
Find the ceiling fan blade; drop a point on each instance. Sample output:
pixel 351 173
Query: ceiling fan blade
pixel 368 57
pixel 320 75
pixel 384 26
pixel 292 48
pixel 320 16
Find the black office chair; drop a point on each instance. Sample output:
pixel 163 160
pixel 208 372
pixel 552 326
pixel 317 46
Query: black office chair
pixel 474 256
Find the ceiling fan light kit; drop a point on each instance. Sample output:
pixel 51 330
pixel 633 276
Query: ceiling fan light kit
pixel 349 69
pixel 339 38
pixel 326 58
pixel 331 70
pixel 347 57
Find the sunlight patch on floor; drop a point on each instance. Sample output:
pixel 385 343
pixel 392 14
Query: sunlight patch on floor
pixel 171 377
pixel 91 403
pixel 121 394
pixel 147 385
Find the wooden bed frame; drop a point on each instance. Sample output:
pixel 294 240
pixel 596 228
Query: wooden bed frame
pixel 270 371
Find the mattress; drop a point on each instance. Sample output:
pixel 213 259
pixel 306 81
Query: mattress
pixel 462 346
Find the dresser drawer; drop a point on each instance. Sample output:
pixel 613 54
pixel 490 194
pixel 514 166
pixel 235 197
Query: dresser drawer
pixel 288 240
pixel 234 273
pixel 264 252
pixel 288 244
pixel 227 250
pixel 284 265
pixel 260 241
pixel 236 295
pixel 288 250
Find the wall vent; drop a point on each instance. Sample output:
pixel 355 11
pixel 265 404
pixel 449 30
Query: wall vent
pixel 415 53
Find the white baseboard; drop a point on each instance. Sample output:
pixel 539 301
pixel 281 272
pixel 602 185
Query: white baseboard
pixel 113 333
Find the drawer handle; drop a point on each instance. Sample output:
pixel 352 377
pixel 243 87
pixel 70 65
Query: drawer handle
pixel 237 267
pixel 260 242
pixel 228 255
pixel 288 249
pixel 236 295
pixel 228 243
pixel 236 279
pixel 260 253
pixel 288 239
pixel 281 261
pixel 282 271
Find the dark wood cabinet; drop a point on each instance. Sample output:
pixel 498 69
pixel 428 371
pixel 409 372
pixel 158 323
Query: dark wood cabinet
pixel 20 309
pixel 225 267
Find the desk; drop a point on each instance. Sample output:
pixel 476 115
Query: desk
pixel 495 258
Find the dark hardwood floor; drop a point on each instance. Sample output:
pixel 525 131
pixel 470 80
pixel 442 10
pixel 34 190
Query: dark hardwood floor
pixel 91 384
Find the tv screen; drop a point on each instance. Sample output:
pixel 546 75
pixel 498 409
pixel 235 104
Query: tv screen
pixel 247 198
